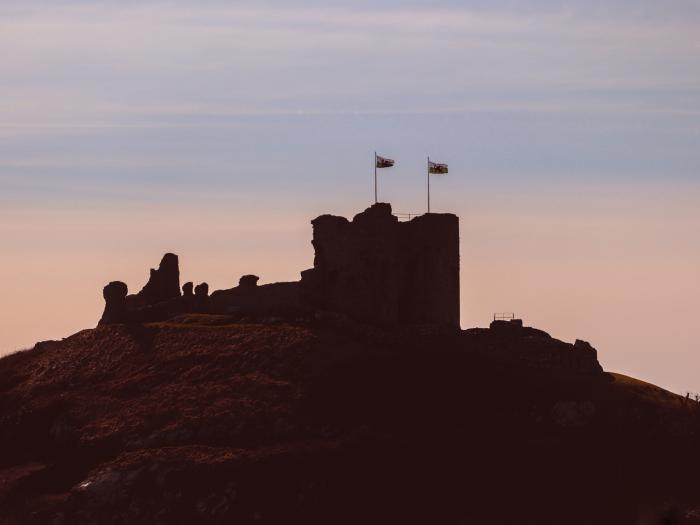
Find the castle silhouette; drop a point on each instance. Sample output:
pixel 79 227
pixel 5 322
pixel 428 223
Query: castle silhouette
pixel 373 269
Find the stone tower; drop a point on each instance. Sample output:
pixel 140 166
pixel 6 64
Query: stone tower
pixel 378 269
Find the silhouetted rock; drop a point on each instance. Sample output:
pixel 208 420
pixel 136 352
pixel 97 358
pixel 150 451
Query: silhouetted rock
pixel 163 284
pixel 187 290
pixel 115 302
pixel 585 348
pixel 583 345
pixel 511 343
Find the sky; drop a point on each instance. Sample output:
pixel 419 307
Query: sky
pixel 218 129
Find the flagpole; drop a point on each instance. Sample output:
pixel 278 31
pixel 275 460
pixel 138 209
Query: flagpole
pixel 428 166
pixel 375 177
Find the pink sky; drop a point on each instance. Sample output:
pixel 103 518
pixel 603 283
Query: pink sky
pixel 617 268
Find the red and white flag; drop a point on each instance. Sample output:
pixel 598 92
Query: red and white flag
pixel 435 167
pixel 383 162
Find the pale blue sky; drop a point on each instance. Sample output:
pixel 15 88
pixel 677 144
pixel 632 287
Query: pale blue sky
pixel 115 98
pixel 571 130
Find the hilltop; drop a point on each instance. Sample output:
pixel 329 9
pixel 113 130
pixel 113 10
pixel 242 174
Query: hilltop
pixel 351 396
pixel 208 419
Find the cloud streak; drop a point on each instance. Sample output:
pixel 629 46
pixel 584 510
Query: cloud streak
pixel 107 61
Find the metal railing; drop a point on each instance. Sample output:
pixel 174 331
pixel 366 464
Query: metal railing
pixel 504 316
pixel 407 216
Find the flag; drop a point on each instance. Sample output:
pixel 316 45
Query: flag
pixel 434 167
pixel 383 162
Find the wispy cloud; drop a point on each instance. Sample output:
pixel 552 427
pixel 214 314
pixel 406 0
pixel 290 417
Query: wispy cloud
pixel 87 60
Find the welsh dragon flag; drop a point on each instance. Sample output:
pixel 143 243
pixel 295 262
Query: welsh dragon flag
pixel 434 167
pixel 384 162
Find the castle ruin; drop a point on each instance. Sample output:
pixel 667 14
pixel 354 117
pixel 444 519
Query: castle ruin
pixel 373 269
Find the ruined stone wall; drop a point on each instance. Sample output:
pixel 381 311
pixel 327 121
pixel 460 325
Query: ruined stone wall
pixel 158 299
pixel 373 269
pixel 249 297
pixel 356 268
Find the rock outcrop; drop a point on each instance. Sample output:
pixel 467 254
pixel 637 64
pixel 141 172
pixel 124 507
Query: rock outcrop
pixel 511 343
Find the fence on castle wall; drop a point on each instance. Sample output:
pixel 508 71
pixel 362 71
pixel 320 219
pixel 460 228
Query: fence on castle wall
pixel 404 217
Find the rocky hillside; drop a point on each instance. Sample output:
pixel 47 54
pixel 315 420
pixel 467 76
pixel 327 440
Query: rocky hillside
pixel 213 419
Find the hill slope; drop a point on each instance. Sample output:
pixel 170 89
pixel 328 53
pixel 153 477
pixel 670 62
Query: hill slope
pixel 203 419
